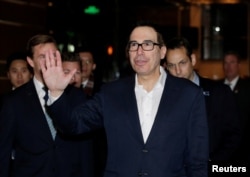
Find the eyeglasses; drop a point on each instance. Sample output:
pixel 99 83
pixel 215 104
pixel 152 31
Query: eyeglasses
pixel 146 46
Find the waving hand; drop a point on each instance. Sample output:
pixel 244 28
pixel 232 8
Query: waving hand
pixel 53 74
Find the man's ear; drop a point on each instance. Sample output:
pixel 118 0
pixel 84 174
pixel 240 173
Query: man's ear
pixel 193 59
pixel 93 67
pixel 30 61
pixel 163 52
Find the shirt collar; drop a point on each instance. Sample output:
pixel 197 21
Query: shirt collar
pixel 84 83
pixel 233 82
pixel 196 79
pixel 38 85
pixel 161 81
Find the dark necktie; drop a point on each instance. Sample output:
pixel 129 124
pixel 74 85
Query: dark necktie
pixel 46 96
pixel 49 120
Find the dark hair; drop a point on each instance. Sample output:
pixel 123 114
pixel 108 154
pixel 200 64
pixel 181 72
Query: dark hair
pixel 148 23
pixel 71 57
pixel 232 52
pixel 17 56
pixel 36 40
pixel 86 49
pixel 179 42
pixel 156 27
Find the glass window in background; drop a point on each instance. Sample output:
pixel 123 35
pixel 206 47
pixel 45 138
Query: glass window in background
pixel 224 27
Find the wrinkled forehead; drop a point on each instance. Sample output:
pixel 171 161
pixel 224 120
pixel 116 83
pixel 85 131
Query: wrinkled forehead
pixel 143 33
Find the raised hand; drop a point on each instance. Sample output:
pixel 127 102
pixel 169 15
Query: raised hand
pixel 53 74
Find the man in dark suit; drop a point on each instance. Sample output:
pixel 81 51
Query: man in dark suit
pixel 91 80
pixel 25 126
pixel 151 128
pixel 241 89
pixel 222 112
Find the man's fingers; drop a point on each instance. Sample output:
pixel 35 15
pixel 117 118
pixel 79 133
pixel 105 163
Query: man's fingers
pixel 42 65
pixel 47 59
pixel 52 56
pixel 58 59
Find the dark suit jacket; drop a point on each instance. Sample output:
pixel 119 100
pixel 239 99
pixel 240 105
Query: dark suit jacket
pixel 223 120
pixel 177 144
pixel 23 126
pixel 242 95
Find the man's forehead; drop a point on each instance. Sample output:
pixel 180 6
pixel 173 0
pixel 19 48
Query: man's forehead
pixel 144 33
pixel 86 56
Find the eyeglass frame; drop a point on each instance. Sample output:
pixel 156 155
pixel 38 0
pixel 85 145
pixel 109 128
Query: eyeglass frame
pixel 141 45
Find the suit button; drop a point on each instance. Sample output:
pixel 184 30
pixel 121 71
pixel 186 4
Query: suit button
pixel 145 150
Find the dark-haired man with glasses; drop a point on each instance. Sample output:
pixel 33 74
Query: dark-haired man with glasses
pixel 152 130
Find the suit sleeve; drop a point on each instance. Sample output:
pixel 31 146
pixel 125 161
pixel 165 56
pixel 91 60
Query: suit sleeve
pixel 76 118
pixel 197 151
pixel 7 127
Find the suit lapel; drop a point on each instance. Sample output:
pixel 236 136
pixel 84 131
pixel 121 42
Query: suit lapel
pixel 170 93
pixel 36 111
pixel 132 110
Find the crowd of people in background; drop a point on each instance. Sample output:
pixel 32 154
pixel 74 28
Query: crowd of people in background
pixel 59 120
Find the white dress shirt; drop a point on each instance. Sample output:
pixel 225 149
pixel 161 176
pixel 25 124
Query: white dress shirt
pixel 232 83
pixel 40 91
pixel 148 103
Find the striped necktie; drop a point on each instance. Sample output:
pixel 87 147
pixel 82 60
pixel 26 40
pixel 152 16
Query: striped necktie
pixel 49 120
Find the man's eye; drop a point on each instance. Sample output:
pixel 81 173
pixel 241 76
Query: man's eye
pixel 133 44
pixel 170 66
pixel 147 43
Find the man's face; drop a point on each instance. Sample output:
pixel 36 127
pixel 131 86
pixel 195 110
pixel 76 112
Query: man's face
pixel 88 65
pixel 68 66
pixel 179 64
pixel 231 66
pixel 143 62
pixel 39 54
pixel 19 73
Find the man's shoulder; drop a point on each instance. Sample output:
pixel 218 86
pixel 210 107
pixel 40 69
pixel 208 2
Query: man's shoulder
pixel 180 81
pixel 216 85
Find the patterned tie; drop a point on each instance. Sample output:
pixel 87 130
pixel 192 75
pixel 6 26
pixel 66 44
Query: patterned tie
pixel 49 120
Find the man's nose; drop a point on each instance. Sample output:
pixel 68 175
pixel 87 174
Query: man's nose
pixel 177 69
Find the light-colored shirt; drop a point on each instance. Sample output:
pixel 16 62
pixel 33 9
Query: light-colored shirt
pixel 232 83
pixel 148 103
pixel 196 79
pixel 40 91
pixel 84 83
